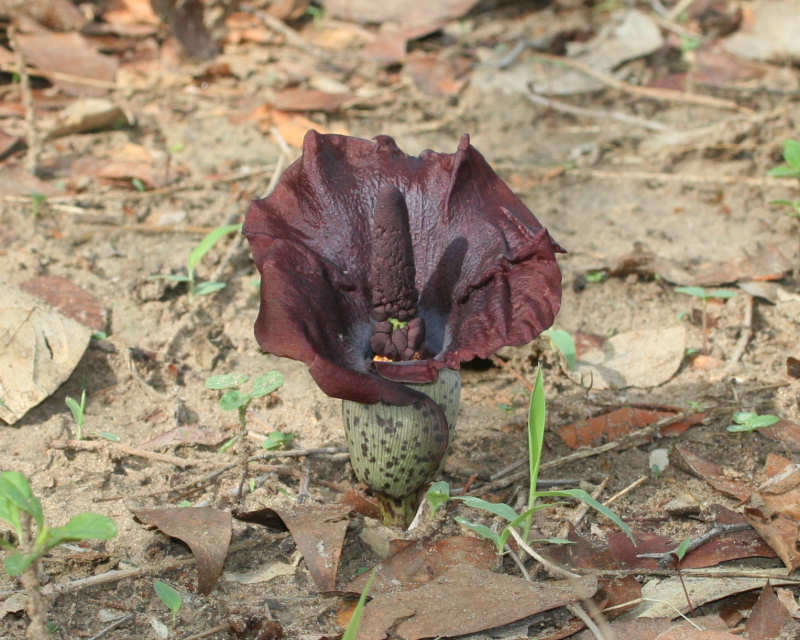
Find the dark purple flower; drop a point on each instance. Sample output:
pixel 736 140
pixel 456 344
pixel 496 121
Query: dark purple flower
pixel 426 261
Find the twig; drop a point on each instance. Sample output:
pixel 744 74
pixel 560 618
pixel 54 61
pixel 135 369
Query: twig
pixel 66 77
pixel 744 338
pixel 581 510
pixel 94 445
pixel 208 632
pixel 678 9
pixel 111 627
pixel 668 95
pixel 677 177
pixel 33 138
pixel 292 37
pixel 626 490
pixel 666 558
pixel 557 105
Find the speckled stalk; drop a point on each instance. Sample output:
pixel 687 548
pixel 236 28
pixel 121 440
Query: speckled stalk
pixel 396 449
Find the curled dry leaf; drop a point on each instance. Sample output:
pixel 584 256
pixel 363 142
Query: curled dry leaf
pixel 318 531
pixel 205 530
pixel 40 349
pixel 446 606
pixel 712 473
pixel 767 617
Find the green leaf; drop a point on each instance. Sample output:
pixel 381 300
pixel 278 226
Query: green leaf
pixel 743 417
pixel 75 409
pixel 437 495
pixel 99 335
pixel 682 548
pixel 791 153
pixel 563 341
pixel 499 509
pixel 227 444
pixel 580 494
pixel 169 596
pixel 208 242
pixel 173 277
pixel 484 532
pixel 232 400
pixel 207 288
pixel 15 487
pixel 9 513
pixel 17 562
pixel 553 540
pixel 276 440
pixel 537 417
pixel 137 184
pixel 698 292
pixel 84 526
pixel 266 384
pixel 595 276
pixel 226 381
pixel 107 435
pixel 783 171
pixel 721 293
pixel 763 421
pixel 355 621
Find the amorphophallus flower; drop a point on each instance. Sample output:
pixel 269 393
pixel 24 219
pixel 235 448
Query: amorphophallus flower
pixel 383 272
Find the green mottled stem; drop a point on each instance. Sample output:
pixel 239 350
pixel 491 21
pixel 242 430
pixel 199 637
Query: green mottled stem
pixel 398 512
pixel 395 450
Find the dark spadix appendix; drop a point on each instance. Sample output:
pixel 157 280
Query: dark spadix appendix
pixel 383 272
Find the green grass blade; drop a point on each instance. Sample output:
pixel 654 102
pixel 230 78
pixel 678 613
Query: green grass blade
pixel 580 494
pixel 537 416
pixel 563 341
pixel 208 242
pixel 791 153
pixel 484 532
pixel 497 508
pixel 355 621
pixel 207 288
pixel 697 292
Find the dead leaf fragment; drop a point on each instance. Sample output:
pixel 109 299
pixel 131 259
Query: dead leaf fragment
pixel 712 473
pixel 446 606
pixel 69 299
pixel 205 530
pixel 767 617
pixel 640 358
pixel 68 53
pixel 785 432
pixel 88 114
pixel 41 347
pixel 308 100
pixel 425 560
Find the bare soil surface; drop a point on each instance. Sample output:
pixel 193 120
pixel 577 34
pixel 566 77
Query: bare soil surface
pixel 584 178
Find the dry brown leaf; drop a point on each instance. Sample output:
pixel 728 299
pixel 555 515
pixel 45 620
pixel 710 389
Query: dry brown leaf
pixel 684 632
pixel 205 530
pixel 617 423
pixel 126 12
pixel 421 562
pixel 437 76
pixel 446 606
pixel 41 347
pixel 785 432
pixel 712 473
pixel 68 53
pixel 640 358
pixel 767 617
pixel 308 100
pixel 291 126
pixel 59 15
pixel 69 299
pixel 9 144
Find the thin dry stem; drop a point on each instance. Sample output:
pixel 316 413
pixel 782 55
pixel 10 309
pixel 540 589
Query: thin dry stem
pixel 33 138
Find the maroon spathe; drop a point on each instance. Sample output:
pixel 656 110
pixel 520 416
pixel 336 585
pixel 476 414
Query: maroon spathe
pixel 483 267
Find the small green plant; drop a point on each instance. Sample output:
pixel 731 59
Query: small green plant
pixel 170 597
pixel 277 440
pixel 138 184
pixel 355 621
pixel 37 201
pixel 439 493
pixel 745 421
pixel 18 505
pixel 593 277
pixel 236 400
pixel 791 157
pixel 195 256
pixel 77 410
pixel 705 295
pixel 562 341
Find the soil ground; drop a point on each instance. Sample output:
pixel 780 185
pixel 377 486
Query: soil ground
pixel 113 240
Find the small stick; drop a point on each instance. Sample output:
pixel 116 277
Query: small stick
pixel 563 107
pixel 747 333
pixel 111 627
pixel 37 604
pixel 60 75
pixel 626 490
pixel 34 140
pixel 94 445
pixel 225 626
